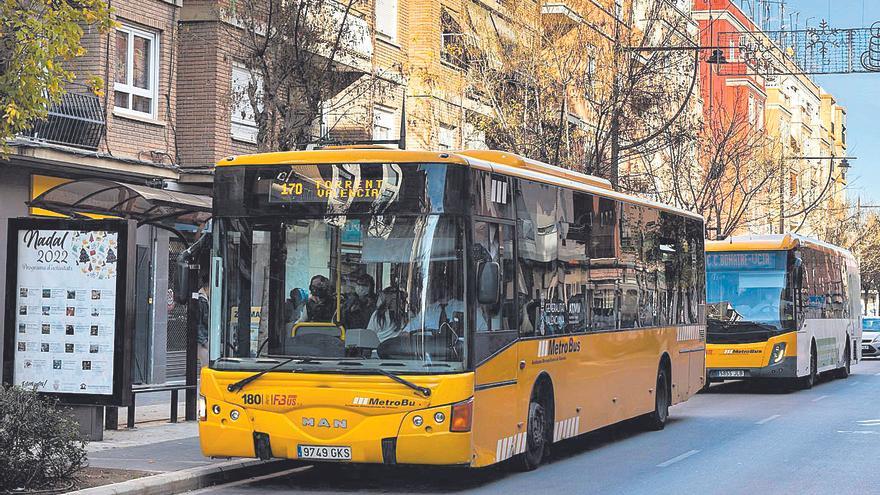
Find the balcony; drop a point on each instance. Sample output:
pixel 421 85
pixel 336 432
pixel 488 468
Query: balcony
pixel 76 121
pixel 355 50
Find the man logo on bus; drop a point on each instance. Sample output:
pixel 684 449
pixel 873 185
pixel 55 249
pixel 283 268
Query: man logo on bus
pixel 323 423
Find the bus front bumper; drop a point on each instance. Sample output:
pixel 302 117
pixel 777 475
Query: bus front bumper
pixel 383 439
pixel 785 369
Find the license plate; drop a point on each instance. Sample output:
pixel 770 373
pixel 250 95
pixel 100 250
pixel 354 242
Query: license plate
pixel 323 452
pixel 730 373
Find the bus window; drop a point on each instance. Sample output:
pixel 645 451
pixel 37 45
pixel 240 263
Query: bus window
pixel 574 236
pixel 493 195
pixel 495 324
pixel 605 273
pixel 539 271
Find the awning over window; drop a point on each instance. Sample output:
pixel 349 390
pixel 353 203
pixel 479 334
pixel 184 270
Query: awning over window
pixel 145 204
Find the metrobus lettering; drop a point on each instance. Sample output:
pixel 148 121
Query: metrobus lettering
pixel 391 402
pixel 563 346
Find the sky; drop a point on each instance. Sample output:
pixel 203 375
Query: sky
pixel 859 93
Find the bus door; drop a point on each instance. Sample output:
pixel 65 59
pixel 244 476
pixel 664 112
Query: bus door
pixel 495 331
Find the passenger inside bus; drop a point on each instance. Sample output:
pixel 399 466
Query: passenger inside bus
pixel 294 307
pixel 320 306
pixel 359 302
pixel 392 314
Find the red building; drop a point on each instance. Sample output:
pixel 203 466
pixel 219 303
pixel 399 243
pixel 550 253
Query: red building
pixel 726 89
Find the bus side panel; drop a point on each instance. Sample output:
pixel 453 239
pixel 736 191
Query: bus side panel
pixel 695 350
pixel 499 416
pixel 830 337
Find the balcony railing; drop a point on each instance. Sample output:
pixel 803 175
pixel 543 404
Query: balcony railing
pixel 77 121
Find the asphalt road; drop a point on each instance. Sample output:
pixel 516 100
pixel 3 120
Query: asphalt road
pixel 737 438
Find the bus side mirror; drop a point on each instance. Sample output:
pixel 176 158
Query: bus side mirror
pixel 798 272
pixel 489 282
pixel 184 290
pixel 188 269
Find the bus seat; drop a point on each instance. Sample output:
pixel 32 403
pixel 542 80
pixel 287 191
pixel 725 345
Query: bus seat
pixel 309 328
pixel 319 345
pixel 362 338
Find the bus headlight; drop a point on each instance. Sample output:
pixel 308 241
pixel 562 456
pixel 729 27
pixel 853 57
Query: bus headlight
pixel 778 353
pixel 203 408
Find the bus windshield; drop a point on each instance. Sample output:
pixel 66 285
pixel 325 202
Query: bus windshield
pixel 345 291
pixel 748 288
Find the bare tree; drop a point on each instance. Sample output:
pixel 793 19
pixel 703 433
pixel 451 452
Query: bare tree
pixel 304 65
pixel 583 93
pixel 731 183
pixel 860 233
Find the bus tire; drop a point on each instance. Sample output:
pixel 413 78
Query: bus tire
pixel 844 371
pixel 656 420
pixel 539 427
pixel 808 381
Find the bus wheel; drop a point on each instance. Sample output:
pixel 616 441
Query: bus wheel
pixel 808 381
pixel 844 371
pixel 536 437
pixel 656 420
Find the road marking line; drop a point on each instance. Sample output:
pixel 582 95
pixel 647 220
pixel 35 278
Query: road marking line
pixel 817 399
pixel 876 374
pixel 861 432
pixel 678 458
pixel 767 420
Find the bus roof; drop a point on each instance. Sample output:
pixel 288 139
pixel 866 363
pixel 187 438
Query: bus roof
pixel 494 161
pixel 773 242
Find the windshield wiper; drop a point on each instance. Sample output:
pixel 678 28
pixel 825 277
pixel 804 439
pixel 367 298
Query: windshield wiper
pixel 237 386
pixel 422 390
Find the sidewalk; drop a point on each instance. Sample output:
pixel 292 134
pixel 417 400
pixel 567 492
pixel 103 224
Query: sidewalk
pixel 156 447
pixel 160 457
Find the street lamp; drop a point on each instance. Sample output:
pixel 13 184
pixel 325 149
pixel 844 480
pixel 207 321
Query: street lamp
pixel 716 58
pixel 844 166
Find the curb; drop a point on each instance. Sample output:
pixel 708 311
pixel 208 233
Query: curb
pixel 191 479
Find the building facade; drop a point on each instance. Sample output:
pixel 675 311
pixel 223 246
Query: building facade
pixel 127 135
pixel 800 126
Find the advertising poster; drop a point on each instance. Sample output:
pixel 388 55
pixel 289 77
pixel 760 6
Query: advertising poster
pixel 66 315
pixel 66 310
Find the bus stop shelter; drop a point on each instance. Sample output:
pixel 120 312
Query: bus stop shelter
pixel 146 205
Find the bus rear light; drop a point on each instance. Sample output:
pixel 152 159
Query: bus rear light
pixel 462 416
pixel 203 408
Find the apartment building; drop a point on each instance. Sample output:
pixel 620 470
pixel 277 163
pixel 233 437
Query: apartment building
pixel 805 125
pixel 127 135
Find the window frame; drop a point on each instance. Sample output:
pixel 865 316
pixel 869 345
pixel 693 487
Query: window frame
pixel 381 116
pixel 128 87
pixel 237 123
pixel 446 131
pixel 392 8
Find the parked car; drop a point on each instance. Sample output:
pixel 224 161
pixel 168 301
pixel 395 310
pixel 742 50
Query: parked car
pixel 870 336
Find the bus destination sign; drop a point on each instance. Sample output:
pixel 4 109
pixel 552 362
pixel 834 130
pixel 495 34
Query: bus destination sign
pixel 746 261
pixel 309 186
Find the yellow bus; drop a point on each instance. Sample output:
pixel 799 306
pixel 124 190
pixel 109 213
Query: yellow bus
pixel 782 307
pixel 457 308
